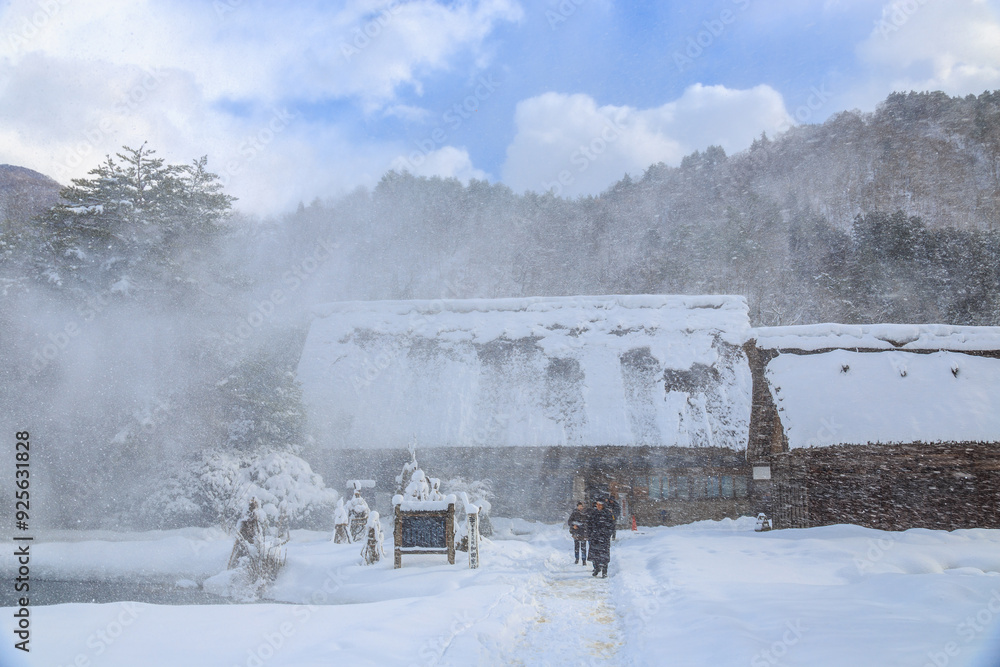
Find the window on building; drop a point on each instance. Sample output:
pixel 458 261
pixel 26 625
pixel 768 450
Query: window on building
pixel 726 486
pixel 712 486
pixel 740 486
pixel 680 488
pixel 697 488
pixel 654 487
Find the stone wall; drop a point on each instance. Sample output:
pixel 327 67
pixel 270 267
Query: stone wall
pixel 890 487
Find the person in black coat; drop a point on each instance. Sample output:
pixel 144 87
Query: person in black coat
pixel 600 525
pixel 578 529
pixel 616 510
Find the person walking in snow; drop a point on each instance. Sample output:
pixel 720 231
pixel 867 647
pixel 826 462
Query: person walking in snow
pixel 616 511
pixel 578 529
pixel 600 526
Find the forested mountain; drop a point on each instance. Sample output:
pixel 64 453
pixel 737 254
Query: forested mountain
pixel 869 217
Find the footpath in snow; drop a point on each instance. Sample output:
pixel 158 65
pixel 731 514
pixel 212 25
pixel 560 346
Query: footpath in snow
pixel 713 593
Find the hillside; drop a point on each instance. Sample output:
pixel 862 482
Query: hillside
pixel 24 193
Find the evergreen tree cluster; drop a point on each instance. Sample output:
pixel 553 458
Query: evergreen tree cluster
pixel 125 227
pixel 870 217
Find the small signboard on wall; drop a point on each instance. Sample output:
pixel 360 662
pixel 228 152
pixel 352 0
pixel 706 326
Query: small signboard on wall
pixel 428 532
pixel 762 472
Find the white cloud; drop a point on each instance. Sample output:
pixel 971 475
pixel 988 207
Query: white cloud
pixel 569 144
pixel 446 162
pixel 79 80
pixel 952 46
pixel 365 49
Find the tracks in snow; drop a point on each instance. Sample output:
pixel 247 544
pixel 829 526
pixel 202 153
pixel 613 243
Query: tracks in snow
pixel 577 624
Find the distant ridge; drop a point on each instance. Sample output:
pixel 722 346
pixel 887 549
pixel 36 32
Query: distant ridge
pixel 13 176
pixel 25 193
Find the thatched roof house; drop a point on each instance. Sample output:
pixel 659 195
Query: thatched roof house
pixel 542 391
pixel 885 425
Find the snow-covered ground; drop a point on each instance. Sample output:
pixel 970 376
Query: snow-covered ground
pixel 712 593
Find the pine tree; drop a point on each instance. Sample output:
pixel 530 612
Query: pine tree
pixel 262 407
pixel 122 228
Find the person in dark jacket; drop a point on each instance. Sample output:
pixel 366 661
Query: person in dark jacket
pixel 578 529
pixel 616 510
pixel 600 525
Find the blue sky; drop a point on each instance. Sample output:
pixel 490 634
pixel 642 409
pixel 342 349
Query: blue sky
pixel 298 100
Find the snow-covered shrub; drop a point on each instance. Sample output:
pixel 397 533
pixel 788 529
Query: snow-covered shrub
pixel 418 488
pixel 479 493
pixel 220 486
pixel 374 549
pixel 217 487
pixel 358 514
pixel 403 478
pixel 340 523
pixel 257 557
pixel 286 485
pixel 169 503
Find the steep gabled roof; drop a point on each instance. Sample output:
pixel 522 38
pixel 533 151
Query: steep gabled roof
pixel 554 371
pixel 884 383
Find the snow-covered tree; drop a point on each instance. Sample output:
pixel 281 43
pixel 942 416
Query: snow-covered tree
pixel 121 229
pixel 215 488
pixel 478 493
pixel 341 524
pixel 374 549
pixel 258 554
pixel 358 512
pixel 262 406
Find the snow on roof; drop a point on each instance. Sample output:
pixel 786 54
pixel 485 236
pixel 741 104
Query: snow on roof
pixel 877 336
pixel 845 397
pixel 591 370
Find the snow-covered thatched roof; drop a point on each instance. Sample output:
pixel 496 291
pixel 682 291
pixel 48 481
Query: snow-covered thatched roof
pixel 923 387
pixel 560 371
pixel 877 337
